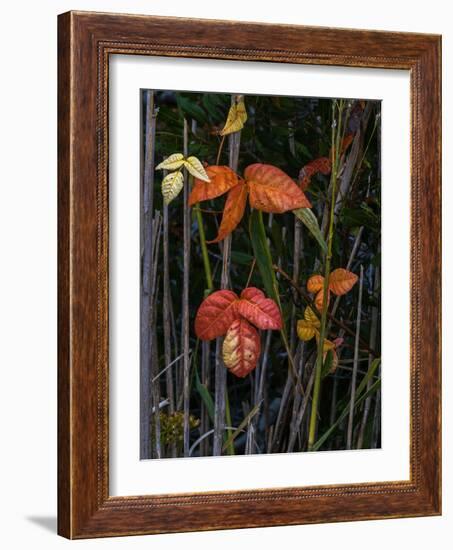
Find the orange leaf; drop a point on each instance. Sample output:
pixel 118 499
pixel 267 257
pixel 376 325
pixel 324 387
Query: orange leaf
pixel 341 281
pixel 271 190
pixel 315 283
pixel 241 348
pixel 263 312
pixel 222 179
pixel 215 314
pixel 322 164
pixel 319 299
pixel 233 211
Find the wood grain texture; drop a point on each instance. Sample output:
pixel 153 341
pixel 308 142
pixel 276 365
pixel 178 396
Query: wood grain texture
pixel 85 42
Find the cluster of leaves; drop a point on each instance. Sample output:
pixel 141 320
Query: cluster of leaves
pixel 269 189
pixel 223 313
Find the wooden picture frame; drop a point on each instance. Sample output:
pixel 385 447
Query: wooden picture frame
pixel 85 41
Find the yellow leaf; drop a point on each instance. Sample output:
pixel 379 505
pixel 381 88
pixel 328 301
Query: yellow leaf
pixel 236 119
pixel 305 330
pixel 334 365
pixel 311 317
pixel 195 168
pixel 171 186
pixel 173 162
pixel 328 345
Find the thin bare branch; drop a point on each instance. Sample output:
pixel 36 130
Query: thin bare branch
pixel 356 363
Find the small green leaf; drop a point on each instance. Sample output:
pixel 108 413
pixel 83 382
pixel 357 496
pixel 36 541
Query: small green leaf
pixel 171 186
pixel 306 216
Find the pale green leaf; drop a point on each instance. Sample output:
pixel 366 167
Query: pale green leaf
pixel 306 216
pixel 195 168
pixel 171 186
pixel 173 162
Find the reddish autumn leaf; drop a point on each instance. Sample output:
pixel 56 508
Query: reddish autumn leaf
pixel 222 179
pixel 233 211
pixel 241 348
pixel 321 165
pixel 341 281
pixel 263 312
pixel 215 314
pixel 271 190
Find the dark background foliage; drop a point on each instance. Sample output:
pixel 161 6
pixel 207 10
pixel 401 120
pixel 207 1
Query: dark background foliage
pixel 287 132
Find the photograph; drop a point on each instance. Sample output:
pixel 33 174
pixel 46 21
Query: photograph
pixel 260 306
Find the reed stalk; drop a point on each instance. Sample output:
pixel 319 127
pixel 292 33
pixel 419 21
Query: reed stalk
pixel 335 140
pixel 373 337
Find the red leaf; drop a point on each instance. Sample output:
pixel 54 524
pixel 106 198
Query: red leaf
pixel 215 314
pixel 222 179
pixel 322 164
pixel 233 211
pixel 263 312
pixel 241 348
pixel 271 190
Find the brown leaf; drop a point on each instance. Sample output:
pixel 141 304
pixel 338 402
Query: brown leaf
pixel 271 190
pixel 222 179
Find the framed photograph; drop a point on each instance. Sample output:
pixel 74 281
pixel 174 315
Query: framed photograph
pixel 249 275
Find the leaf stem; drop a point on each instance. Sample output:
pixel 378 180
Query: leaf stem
pixel 204 249
pixel 219 152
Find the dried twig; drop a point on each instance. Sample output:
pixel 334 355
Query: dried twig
pixel 356 363
pixel 146 341
pixel 185 296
